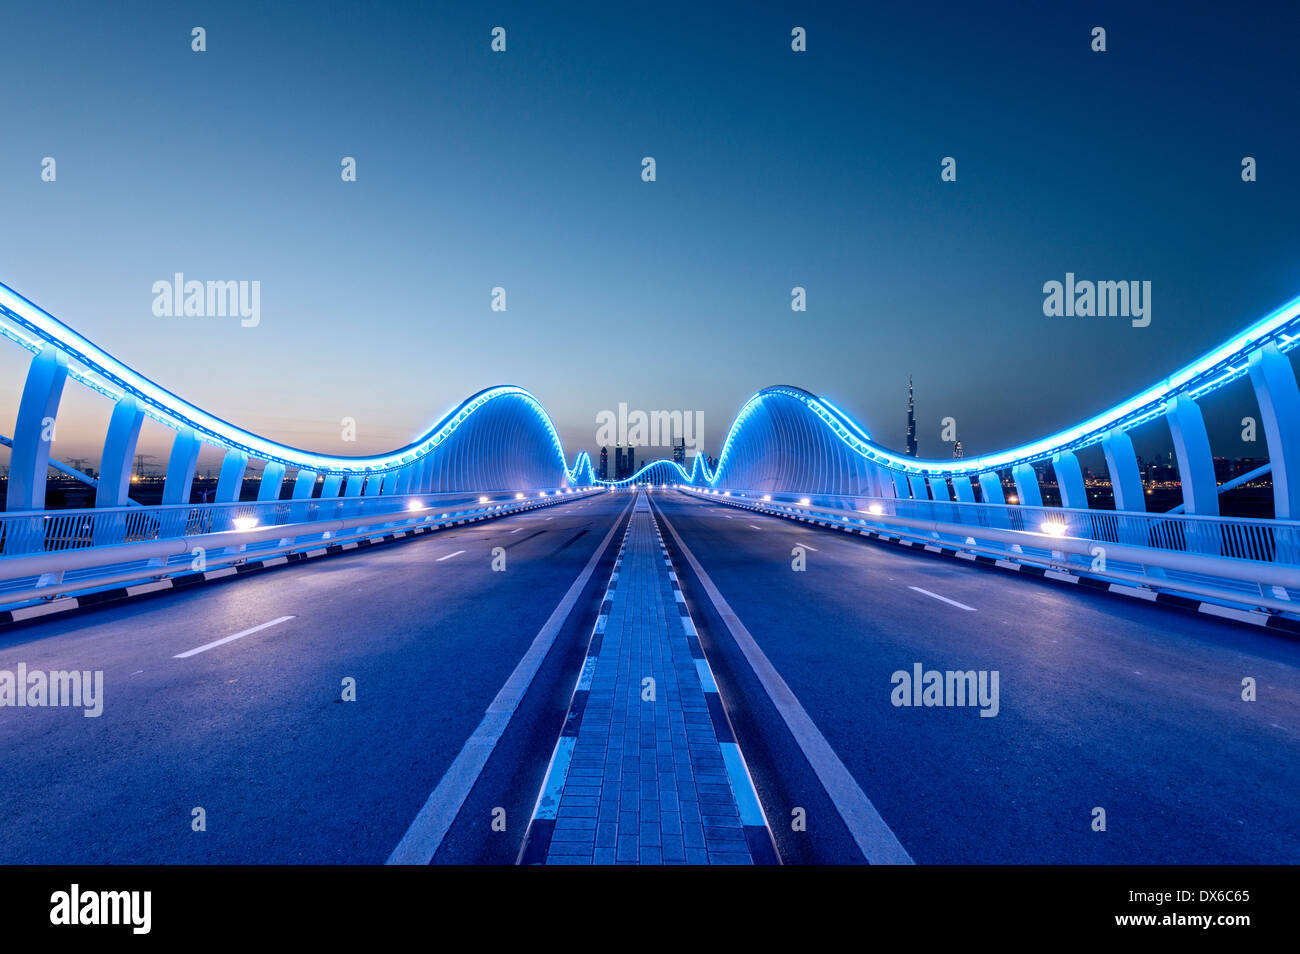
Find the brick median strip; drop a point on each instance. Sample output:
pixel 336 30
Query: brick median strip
pixel 646 781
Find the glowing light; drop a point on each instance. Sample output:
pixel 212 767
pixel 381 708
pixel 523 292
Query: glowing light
pixel 415 506
pixel 876 509
pixel 245 523
pixel 1054 528
pixel 804 502
pixel 767 497
pixel 519 496
pixel 483 500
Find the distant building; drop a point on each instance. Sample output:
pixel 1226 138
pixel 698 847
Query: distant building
pixel 679 450
pixel 911 420
pixel 631 462
pixel 956 449
pixel 604 464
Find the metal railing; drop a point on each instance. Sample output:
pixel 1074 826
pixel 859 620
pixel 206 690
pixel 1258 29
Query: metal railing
pixel 53 531
pixel 1245 561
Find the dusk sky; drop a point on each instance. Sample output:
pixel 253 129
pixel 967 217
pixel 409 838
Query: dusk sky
pixel 522 169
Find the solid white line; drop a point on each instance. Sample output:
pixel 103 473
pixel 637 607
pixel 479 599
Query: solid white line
pixel 874 838
pixel 756 527
pixel 449 556
pixel 516 529
pixel 423 838
pixel 221 642
pixel 943 599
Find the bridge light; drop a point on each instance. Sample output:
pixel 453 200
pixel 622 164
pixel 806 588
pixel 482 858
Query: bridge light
pixel 876 508
pixel 245 523
pixel 414 505
pixel 519 496
pixel 1054 528
pixel 804 502
pixel 481 500
pixel 767 497
pixel 542 494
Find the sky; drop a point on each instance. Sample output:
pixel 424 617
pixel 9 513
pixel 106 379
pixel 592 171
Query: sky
pixel 774 169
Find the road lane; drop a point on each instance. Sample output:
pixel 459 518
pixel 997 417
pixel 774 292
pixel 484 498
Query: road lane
pixel 1104 702
pixel 255 732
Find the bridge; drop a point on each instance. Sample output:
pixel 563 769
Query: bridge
pixel 469 649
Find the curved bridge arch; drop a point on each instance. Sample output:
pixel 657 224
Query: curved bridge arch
pixel 788 439
pixel 499 438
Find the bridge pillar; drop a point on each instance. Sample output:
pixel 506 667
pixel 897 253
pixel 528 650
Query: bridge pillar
pixel 901 489
pixel 919 490
pixel 272 481
pixel 426 474
pixel 1125 478
pixel 30 459
pixel 303 484
pixel 330 486
pixel 962 486
pixel 1279 407
pixel 231 480
pixel 1069 478
pixel 991 488
pixel 180 467
pixel 1195 463
pixel 119 449
pixel 939 489
pixel 1027 490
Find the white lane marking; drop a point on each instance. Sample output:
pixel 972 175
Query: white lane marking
pixel 221 642
pixel 516 529
pixel 449 556
pixel 943 599
pixel 756 527
pixel 807 547
pixel 874 838
pixel 424 837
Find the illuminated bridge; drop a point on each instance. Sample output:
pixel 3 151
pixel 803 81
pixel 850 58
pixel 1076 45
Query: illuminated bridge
pixel 468 649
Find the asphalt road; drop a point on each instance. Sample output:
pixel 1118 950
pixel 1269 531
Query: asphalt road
pixel 1103 703
pixel 255 731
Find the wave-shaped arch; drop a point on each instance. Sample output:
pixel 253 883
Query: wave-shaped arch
pixel 786 438
pixel 498 438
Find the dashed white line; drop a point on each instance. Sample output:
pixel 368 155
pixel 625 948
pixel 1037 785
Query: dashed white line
pixel 943 599
pixel 221 642
pixel 756 527
pixel 516 529
pixel 449 556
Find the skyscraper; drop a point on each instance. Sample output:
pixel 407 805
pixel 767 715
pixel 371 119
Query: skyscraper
pixel 956 449
pixel 631 462
pixel 679 450
pixel 911 420
pixel 604 463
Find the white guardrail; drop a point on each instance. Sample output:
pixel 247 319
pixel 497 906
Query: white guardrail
pixel 1237 561
pixel 50 554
